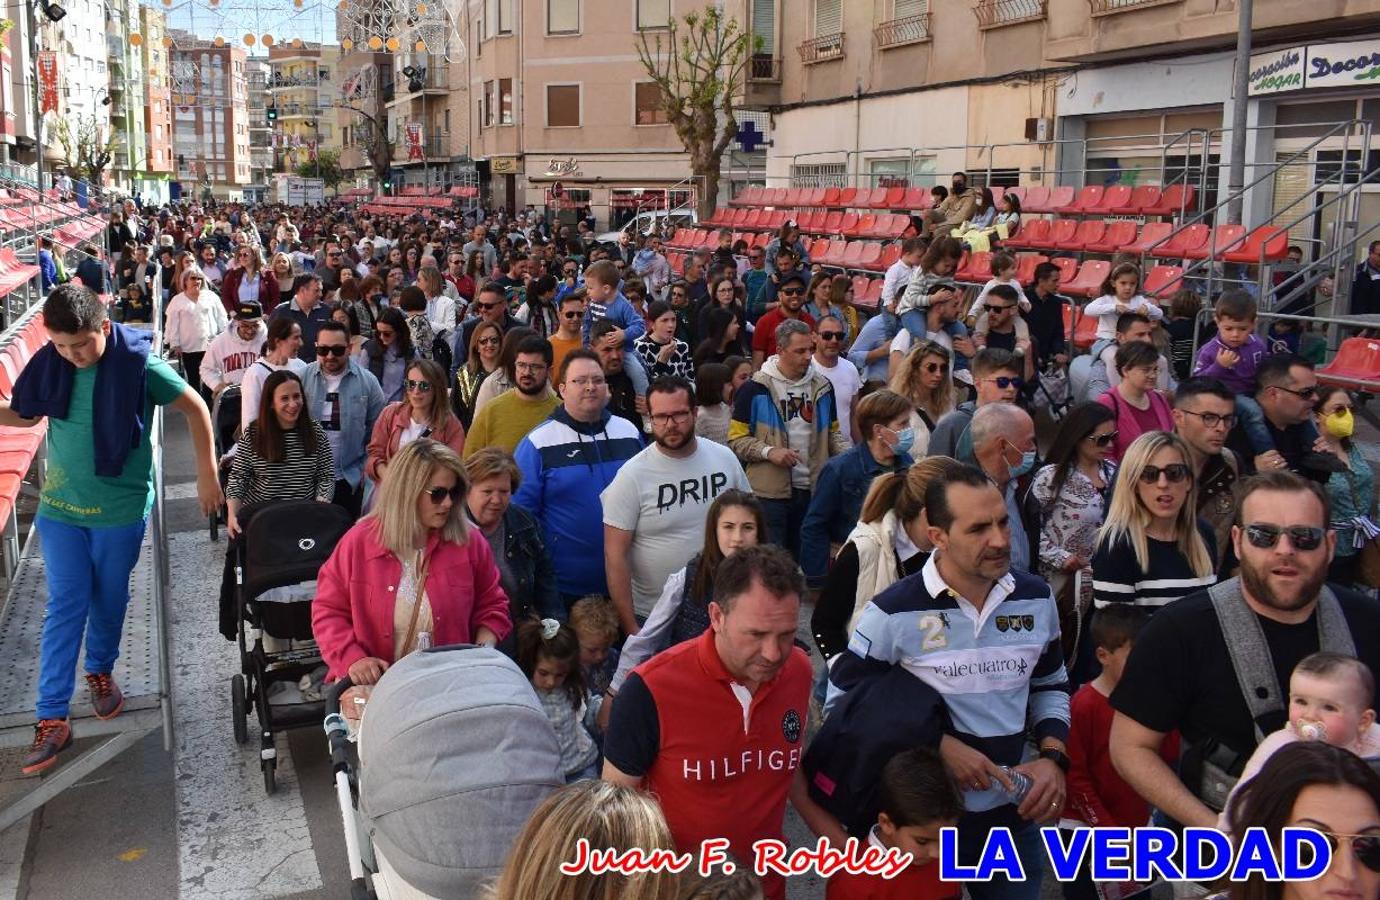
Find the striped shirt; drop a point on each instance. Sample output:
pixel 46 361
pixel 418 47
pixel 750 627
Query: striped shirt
pixel 1119 578
pixel 299 476
pixel 999 669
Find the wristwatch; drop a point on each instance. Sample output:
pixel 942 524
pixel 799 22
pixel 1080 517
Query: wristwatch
pixel 1056 756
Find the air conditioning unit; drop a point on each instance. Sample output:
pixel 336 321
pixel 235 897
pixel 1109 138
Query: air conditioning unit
pixel 1039 130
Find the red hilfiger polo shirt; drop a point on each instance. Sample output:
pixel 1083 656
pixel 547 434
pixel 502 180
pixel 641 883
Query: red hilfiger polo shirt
pixel 722 761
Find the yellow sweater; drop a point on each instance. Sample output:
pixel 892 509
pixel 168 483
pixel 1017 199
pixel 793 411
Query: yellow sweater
pixel 505 420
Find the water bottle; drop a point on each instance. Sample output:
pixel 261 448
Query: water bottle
pixel 1020 785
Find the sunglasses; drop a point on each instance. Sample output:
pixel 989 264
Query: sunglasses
pixel 423 386
pixel 792 292
pixel 1365 847
pixel 932 368
pixel 1005 381
pixel 489 341
pixel 1105 440
pixel 437 494
pixel 831 335
pixel 1307 393
pixel 487 305
pixel 1174 472
pixel 332 350
pixel 1303 537
pixel 574 314
pixel 992 310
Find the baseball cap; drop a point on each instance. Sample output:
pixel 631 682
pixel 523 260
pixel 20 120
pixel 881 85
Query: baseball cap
pixel 249 311
pixel 793 278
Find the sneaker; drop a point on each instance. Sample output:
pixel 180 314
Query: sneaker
pixel 106 698
pixel 51 737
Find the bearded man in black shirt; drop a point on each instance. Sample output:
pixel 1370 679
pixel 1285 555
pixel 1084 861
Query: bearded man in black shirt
pixel 1215 665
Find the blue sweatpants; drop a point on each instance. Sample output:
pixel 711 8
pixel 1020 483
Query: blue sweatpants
pixel 88 572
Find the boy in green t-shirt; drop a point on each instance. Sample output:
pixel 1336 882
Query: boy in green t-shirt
pixel 98 493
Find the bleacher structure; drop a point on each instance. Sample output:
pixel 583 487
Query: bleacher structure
pixel 1179 241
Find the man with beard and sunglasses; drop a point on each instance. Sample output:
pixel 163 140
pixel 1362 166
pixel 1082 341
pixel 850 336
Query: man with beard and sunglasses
pixel 346 399
pixel 507 418
pixel 1215 665
pixel 1288 391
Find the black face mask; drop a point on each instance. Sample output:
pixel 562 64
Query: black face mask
pixel 960 187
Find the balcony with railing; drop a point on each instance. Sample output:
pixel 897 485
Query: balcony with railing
pixel 1108 7
pixel 902 32
pixel 763 68
pixel 822 49
pixel 280 81
pixel 434 147
pixel 996 13
pixel 428 81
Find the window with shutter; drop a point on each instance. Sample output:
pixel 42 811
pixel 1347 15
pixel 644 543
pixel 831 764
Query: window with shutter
pixel 904 9
pixel 764 22
pixel 647 99
pixel 562 106
pixel 653 13
pixel 828 17
pixel 562 16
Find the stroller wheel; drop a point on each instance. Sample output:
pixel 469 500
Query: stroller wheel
pixel 270 782
pixel 238 711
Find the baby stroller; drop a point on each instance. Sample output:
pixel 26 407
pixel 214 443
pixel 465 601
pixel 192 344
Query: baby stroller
pixel 454 755
pixel 225 429
pixel 282 544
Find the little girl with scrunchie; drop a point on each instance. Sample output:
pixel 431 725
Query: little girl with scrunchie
pixel 549 655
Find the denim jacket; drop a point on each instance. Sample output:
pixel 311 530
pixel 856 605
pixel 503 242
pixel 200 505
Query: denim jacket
pixel 533 573
pixel 361 401
pixel 836 503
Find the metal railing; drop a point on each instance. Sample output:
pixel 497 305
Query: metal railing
pixel 996 13
pixel 764 68
pixel 822 49
pixel 899 32
pixel 1104 7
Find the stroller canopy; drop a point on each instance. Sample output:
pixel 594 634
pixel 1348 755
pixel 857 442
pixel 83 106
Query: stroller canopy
pixel 455 754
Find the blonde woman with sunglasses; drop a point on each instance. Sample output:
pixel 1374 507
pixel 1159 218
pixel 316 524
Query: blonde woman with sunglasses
pixel 923 379
pixel 1152 549
pixel 411 574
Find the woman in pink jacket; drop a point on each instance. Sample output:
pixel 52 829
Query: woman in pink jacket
pixel 423 412
pixel 410 574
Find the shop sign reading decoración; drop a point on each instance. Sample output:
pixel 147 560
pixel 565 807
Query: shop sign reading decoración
pixel 1315 67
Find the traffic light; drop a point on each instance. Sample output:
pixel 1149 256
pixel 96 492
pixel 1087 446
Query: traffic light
pixel 272 114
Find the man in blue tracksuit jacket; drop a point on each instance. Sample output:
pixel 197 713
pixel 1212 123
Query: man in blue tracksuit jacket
pixel 986 638
pixel 566 462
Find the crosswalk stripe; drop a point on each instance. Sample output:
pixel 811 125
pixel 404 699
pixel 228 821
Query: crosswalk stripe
pixel 234 841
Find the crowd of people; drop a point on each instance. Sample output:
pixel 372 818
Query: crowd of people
pixel 634 483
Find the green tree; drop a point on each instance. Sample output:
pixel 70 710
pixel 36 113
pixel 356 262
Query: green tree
pixel 699 64
pixel 326 166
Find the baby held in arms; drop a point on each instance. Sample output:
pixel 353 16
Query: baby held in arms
pixel 1331 699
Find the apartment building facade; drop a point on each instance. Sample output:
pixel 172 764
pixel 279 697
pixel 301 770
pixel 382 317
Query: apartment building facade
pixel 559 101
pixel 301 87
pixel 210 118
pixel 1066 91
pixel 155 57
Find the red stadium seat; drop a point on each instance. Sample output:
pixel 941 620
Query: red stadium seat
pixel 813 197
pixel 1265 244
pixel 1068 268
pixel 831 196
pixel 975 268
pixel 833 221
pixel 871 255
pixel 1175 199
pixel 847 196
pixel 1036 199
pixel 848 223
pixel 918 199
pixel 890 254
pixel 1089 231
pixel 1085 334
pixel 1083 202
pixel 1113 197
pixel 863 227
pixel 1031 232
pixel 833 256
pixel 1117 236
pixel 1061 235
pixel 1088 281
pixel 1025 266
pixel 874 294
pixel 777 197
pixel 1357 360
pixel 1183 242
pixel 1221 239
pixel 1162 281
pixel 1061 196
pixel 793 196
pixel 818 248
pixel 895 198
pixel 1150 235
pixel 1016 191
pixel 893 226
pixel 852 256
